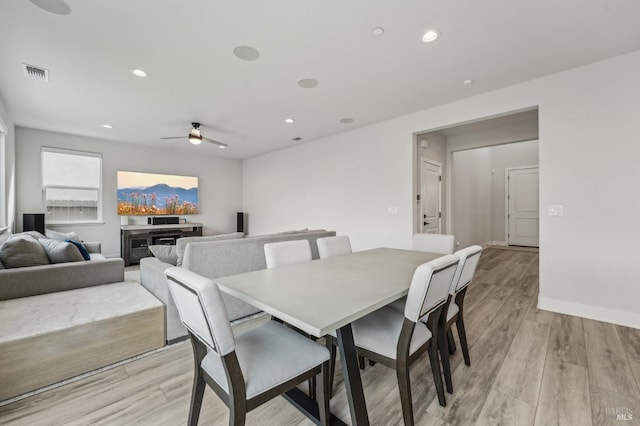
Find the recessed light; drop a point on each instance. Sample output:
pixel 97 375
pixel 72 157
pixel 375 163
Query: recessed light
pixel 107 126
pixel 308 83
pixel 222 146
pixel 467 83
pixel 289 120
pixel 347 120
pixel 378 31
pixel 246 53
pixel 430 36
pixel 139 73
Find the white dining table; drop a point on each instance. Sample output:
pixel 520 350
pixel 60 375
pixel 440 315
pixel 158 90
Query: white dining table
pixel 327 295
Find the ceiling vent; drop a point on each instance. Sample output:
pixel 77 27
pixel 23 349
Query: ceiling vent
pixel 35 72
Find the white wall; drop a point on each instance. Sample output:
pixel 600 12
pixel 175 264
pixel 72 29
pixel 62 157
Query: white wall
pixel 472 200
pixel 589 266
pixel 7 169
pixel 219 193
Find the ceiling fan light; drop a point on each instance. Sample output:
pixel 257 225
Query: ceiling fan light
pixel 195 139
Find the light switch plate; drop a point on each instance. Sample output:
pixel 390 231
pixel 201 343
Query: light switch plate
pixel 556 210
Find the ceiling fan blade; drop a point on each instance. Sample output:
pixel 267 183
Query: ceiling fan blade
pixel 220 144
pixel 175 137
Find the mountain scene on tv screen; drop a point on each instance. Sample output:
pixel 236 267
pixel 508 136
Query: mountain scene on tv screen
pixel 158 199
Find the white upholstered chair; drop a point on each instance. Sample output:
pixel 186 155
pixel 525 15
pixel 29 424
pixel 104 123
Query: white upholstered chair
pixel 430 243
pixel 398 340
pixel 287 252
pixel 434 243
pixel 249 369
pixel 468 262
pixel 334 246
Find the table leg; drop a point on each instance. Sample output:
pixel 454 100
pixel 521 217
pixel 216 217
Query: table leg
pixel 351 374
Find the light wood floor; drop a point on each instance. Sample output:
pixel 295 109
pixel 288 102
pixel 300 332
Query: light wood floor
pixel 528 367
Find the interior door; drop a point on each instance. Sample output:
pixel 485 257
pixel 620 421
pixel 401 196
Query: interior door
pixel 523 211
pixel 430 196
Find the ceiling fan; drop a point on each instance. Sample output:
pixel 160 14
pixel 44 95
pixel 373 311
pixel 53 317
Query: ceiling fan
pixel 196 138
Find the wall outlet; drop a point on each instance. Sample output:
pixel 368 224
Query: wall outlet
pixel 556 210
pixel 392 211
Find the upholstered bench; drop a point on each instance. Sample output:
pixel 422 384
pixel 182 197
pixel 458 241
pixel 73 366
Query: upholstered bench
pixel 52 337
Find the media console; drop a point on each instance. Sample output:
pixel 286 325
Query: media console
pixel 136 239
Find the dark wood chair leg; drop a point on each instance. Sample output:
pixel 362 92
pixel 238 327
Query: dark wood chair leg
pixel 237 414
pixel 361 362
pixel 432 323
pixel 443 346
pixel 197 390
pixel 462 335
pixel 331 345
pixel 372 363
pixel 323 395
pixel 404 386
pixel 451 341
pixel 312 387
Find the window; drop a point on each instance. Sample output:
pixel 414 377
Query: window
pixel 71 186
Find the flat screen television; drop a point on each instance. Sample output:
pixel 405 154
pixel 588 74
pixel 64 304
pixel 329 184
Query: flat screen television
pixel 152 194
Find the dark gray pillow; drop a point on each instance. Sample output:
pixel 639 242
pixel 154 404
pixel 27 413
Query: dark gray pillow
pixel 60 251
pixel 22 252
pixel 165 253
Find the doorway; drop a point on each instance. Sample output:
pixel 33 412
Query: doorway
pixel 522 224
pixel 430 200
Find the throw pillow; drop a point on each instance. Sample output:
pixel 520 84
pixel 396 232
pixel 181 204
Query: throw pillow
pixel 22 252
pixel 34 234
pixel 81 247
pixel 62 236
pixel 60 251
pixel 164 253
pixel 5 234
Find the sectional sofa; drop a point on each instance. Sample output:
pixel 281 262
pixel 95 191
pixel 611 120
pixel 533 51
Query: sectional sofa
pixel 215 257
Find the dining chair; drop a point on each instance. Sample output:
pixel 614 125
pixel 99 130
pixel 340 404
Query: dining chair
pixel 333 246
pixel 430 243
pixel 248 369
pixel 453 311
pixel 287 252
pixel 398 340
pixel 434 243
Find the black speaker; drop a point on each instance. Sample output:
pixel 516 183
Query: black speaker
pixel 241 222
pixel 33 222
pixel 163 220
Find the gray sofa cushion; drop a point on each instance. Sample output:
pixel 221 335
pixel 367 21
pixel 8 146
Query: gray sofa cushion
pixel 164 253
pixel 60 251
pixel 181 243
pixel 34 234
pixel 4 235
pixel 22 251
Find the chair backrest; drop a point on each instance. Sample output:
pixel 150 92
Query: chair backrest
pixel 434 243
pixel 430 286
pixel 287 252
pixel 334 246
pixel 201 309
pixel 469 258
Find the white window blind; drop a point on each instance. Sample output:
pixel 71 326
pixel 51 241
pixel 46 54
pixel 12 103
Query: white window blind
pixel 71 186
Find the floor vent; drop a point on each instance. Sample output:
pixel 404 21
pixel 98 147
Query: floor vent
pixel 35 72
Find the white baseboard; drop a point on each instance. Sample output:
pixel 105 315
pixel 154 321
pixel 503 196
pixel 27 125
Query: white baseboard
pixel 499 243
pixel 614 316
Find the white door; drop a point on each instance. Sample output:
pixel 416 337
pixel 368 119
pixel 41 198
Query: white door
pixel 430 188
pixel 522 206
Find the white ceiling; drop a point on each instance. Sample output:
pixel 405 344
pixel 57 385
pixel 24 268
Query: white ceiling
pixel 187 47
